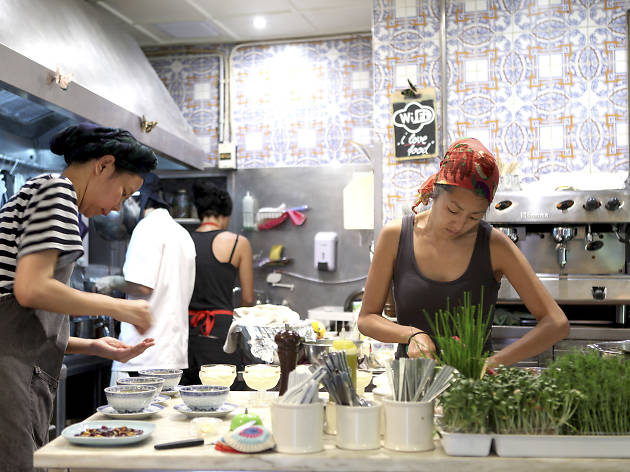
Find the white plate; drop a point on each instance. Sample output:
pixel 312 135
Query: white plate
pixel 170 391
pixel 218 413
pixel 69 432
pixel 161 399
pixel 110 411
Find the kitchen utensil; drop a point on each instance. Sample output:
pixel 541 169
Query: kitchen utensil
pixel 179 444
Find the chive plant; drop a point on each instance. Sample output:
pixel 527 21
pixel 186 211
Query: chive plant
pixel 461 334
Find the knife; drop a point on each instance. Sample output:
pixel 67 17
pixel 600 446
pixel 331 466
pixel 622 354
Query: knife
pixel 178 444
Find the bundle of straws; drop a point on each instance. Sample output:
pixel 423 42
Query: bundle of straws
pixel 418 380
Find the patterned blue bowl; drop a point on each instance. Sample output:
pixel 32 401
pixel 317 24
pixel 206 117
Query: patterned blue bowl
pixel 129 398
pixel 204 397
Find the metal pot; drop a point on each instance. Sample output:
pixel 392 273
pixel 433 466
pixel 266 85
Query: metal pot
pixel 314 350
pixel 118 225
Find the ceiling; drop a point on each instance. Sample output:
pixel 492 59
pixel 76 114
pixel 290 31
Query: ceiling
pixel 166 22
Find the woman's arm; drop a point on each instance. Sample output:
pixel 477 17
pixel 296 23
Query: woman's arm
pixel 35 287
pixel 245 271
pixel 552 324
pixel 371 322
pixel 109 348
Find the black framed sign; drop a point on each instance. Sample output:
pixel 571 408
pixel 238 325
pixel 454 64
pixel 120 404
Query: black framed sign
pixel 414 120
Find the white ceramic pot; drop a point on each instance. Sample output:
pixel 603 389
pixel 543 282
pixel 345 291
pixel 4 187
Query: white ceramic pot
pixel 471 445
pixel 298 429
pixel 358 427
pixel 330 426
pixel 408 425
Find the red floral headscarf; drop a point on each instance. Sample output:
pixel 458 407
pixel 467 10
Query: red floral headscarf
pixel 466 164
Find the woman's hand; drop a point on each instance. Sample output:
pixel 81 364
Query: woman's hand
pixel 421 345
pixel 135 312
pixel 112 348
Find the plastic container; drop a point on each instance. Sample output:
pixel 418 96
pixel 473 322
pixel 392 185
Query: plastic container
pixel 471 445
pixel 248 211
pixel 517 445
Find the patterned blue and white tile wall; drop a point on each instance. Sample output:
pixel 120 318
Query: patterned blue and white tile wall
pixel 543 83
pixel 297 104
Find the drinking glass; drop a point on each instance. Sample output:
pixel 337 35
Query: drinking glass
pixel 364 377
pixel 261 377
pixel 217 374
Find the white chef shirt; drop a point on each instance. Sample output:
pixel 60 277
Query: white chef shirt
pixel 161 256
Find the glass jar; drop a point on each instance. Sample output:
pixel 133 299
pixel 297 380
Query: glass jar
pixel 181 204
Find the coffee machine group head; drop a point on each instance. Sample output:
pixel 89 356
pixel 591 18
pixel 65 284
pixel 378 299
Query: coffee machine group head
pixel 562 235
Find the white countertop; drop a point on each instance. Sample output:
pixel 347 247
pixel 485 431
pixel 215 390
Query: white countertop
pixel 172 425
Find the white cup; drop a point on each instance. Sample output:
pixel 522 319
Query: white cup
pixel 408 425
pixel 358 427
pixel 298 429
pixel 330 426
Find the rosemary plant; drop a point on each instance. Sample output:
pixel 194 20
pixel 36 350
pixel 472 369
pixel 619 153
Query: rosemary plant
pixel 461 335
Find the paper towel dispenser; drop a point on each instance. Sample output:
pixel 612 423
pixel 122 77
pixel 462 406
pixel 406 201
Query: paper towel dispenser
pixel 325 250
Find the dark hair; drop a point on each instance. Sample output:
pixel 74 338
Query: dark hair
pixel 86 141
pixel 439 188
pixel 211 200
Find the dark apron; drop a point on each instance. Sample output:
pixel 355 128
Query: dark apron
pixel 32 346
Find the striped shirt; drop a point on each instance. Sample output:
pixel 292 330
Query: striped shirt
pixel 42 215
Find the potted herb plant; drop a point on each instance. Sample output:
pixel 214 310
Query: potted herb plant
pixel 465 420
pixel 461 334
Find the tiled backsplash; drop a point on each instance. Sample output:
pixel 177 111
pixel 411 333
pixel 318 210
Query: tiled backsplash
pixel 541 82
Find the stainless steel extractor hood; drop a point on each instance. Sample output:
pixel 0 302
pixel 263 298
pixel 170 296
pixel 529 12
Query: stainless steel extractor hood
pixel 112 83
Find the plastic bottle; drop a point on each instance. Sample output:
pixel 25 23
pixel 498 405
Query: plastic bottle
pixel 248 211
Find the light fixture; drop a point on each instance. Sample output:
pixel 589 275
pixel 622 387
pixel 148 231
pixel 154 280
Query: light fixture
pixel 260 22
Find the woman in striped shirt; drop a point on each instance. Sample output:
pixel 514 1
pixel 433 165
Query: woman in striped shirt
pixel 39 243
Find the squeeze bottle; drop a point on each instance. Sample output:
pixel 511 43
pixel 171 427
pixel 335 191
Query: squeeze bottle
pixel 350 349
pixel 248 211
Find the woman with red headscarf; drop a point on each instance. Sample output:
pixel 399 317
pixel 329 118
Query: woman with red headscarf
pixel 434 257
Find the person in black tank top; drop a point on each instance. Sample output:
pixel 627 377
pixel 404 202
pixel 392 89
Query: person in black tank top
pixel 222 257
pixel 434 257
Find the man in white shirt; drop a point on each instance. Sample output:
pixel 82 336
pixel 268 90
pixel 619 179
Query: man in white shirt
pixel 159 266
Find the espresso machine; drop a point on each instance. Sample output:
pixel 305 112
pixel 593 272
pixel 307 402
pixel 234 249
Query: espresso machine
pixel 577 243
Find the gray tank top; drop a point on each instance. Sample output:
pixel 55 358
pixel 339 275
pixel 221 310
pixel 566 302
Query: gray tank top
pixel 414 293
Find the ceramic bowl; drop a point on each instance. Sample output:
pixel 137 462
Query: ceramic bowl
pixel 171 376
pixel 204 397
pixel 156 382
pixel 130 398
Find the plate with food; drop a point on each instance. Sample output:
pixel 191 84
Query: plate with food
pixel 108 432
pixel 110 411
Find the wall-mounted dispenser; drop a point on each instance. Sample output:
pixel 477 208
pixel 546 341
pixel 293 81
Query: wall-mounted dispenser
pixel 325 250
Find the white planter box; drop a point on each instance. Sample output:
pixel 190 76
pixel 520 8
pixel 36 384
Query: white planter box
pixel 515 445
pixel 461 444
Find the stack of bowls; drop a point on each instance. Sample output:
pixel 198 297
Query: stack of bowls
pixel 171 376
pixel 157 382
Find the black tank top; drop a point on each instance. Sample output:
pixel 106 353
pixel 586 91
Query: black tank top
pixel 414 293
pixel 214 280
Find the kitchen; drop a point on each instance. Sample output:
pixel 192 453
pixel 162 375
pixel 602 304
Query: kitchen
pixel 521 85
